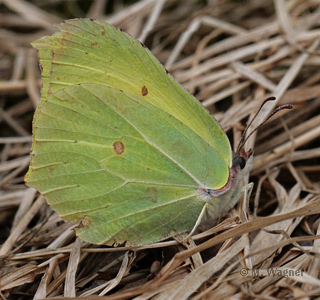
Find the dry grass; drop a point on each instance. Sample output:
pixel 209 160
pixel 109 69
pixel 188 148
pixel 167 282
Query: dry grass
pixel 231 55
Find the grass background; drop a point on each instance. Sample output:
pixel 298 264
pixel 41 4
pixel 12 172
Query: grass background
pixel 231 55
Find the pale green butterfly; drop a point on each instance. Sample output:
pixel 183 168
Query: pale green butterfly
pixel 120 147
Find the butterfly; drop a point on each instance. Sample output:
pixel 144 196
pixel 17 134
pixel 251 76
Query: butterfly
pixel 119 147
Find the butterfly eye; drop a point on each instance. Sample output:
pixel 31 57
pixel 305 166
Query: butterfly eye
pixel 240 161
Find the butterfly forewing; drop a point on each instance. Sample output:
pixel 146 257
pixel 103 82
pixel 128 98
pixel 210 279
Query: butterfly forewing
pixel 119 146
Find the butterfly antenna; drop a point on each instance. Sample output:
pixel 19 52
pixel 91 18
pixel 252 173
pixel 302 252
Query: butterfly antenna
pixel 244 139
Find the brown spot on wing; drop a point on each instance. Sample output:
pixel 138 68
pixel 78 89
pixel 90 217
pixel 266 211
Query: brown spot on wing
pixel 79 225
pixel 118 147
pixel 153 194
pixel 144 91
pixel 84 221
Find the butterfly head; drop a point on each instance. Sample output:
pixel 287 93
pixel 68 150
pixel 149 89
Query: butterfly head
pixel 225 198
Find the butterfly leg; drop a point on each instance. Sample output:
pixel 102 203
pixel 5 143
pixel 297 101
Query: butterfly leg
pixel 246 190
pixel 199 220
